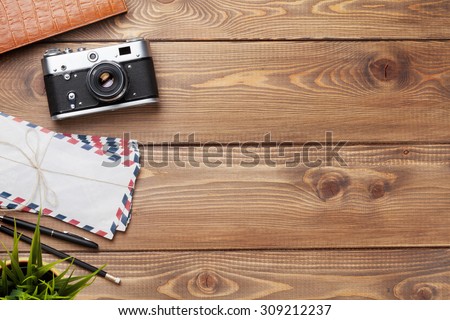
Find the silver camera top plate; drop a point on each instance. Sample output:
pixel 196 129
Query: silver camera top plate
pixel 56 61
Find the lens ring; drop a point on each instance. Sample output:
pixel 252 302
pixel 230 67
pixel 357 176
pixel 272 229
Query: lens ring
pixel 107 81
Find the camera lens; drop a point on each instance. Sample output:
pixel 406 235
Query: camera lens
pixel 107 81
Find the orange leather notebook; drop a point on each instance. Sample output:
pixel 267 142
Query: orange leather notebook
pixel 26 21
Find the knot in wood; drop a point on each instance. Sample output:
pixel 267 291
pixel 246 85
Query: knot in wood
pixel 330 185
pixel 377 189
pixel 165 1
pixel 207 282
pixel 424 292
pixel 384 69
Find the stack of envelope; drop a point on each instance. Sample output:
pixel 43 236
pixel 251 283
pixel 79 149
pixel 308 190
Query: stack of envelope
pixel 87 181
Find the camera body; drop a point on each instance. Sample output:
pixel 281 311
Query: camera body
pixel 103 79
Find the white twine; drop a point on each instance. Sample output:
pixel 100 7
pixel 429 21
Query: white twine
pixel 41 182
pixel 35 162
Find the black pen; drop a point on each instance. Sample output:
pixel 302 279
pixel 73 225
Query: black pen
pixel 62 235
pixel 63 255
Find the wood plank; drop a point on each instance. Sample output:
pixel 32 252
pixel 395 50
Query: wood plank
pixel 386 196
pixel 362 91
pixel 388 203
pixel 284 275
pixel 259 19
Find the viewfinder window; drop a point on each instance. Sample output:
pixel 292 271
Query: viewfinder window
pixel 124 50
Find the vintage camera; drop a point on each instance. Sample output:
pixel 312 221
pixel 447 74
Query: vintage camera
pixel 103 79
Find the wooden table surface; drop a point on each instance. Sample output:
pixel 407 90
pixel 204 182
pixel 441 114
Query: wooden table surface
pixel 226 206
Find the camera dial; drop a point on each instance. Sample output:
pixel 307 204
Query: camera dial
pixel 107 81
pixel 92 56
pixel 134 39
pixel 52 52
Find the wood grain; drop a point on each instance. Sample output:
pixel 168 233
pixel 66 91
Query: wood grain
pixel 259 19
pixel 385 196
pixel 283 275
pixel 223 91
pixel 231 72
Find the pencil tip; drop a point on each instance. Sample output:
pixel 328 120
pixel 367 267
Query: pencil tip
pixel 109 277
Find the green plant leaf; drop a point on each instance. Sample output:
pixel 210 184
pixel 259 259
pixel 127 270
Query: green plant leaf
pixel 41 271
pixel 14 258
pixel 35 256
pixel 11 275
pixel 39 282
pixel 4 284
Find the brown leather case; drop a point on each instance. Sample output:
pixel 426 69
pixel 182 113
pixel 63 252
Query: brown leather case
pixel 26 21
